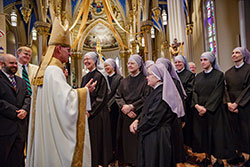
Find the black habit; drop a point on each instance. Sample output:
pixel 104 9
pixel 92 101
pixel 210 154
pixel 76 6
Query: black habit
pixel 155 143
pixel 99 120
pixel 238 91
pixel 13 131
pixel 132 90
pixel 177 133
pixel 114 82
pixel 211 132
pixel 187 80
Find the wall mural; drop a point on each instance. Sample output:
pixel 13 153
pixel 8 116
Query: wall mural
pixel 104 34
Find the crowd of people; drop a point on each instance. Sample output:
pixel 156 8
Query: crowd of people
pixel 151 118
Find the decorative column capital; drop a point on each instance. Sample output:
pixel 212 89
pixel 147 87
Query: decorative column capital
pixel 42 27
pixel 134 44
pixel 165 44
pixel 189 28
pixel 146 26
pixel 26 12
pixel 76 54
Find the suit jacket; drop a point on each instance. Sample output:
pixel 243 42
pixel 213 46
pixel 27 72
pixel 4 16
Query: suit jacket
pixel 32 69
pixel 10 101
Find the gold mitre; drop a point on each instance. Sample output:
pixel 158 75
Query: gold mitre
pixel 60 35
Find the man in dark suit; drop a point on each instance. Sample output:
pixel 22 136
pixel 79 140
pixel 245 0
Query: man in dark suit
pixel 14 107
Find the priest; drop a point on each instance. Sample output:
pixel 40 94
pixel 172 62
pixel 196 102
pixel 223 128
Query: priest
pixel 58 128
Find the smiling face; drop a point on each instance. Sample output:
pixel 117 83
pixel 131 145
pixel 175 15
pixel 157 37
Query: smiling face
pixel 89 63
pixel 179 65
pixel 237 56
pixel 24 55
pixel 108 68
pixel 133 67
pixel 152 80
pixel 205 63
pixel 10 64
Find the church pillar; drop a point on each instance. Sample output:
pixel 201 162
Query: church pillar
pixel 177 23
pixel 3 46
pixel 124 60
pixel 146 29
pixel 189 44
pixel 164 49
pixel 242 20
pixel 76 68
pixel 43 31
pixel 146 10
pixel 134 44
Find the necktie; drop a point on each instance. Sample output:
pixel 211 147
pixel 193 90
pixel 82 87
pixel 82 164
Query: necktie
pixel 26 78
pixel 13 82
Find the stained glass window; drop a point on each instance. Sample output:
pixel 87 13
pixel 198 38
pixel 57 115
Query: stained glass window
pixel 209 23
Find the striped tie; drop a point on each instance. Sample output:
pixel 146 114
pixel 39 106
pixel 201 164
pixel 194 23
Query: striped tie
pixel 13 82
pixel 26 78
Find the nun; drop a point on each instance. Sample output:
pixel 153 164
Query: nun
pixel 211 130
pixel 238 103
pixel 149 63
pixel 154 125
pixel 130 97
pixel 187 80
pixel 177 125
pixel 114 79
pixel 98 117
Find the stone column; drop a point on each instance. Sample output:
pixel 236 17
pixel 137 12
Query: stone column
pixel 164 49
pixel 242 20
pixel 146 29
pixel 189 44
pixel 43 31
pixel 176 22
pixel 134 44
pixel 124 60
pixel 76 68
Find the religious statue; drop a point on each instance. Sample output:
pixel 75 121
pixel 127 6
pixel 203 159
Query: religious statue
pixel 99 50
pixel 175 48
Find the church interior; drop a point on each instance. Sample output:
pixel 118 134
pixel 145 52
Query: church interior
pixel 118 28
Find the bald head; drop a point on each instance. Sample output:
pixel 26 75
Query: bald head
pixel 9 64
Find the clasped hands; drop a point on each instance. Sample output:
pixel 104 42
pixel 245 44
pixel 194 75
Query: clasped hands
pixel 201 109
pixel 21 113
pixel 128 109
pixel 232 107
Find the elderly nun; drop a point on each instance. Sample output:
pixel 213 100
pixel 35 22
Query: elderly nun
pixel 211 130
pixel 99 117
pixel 130 97
pixel 238 102
pixel 114 79
pixel 177 126
pixel 154 125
